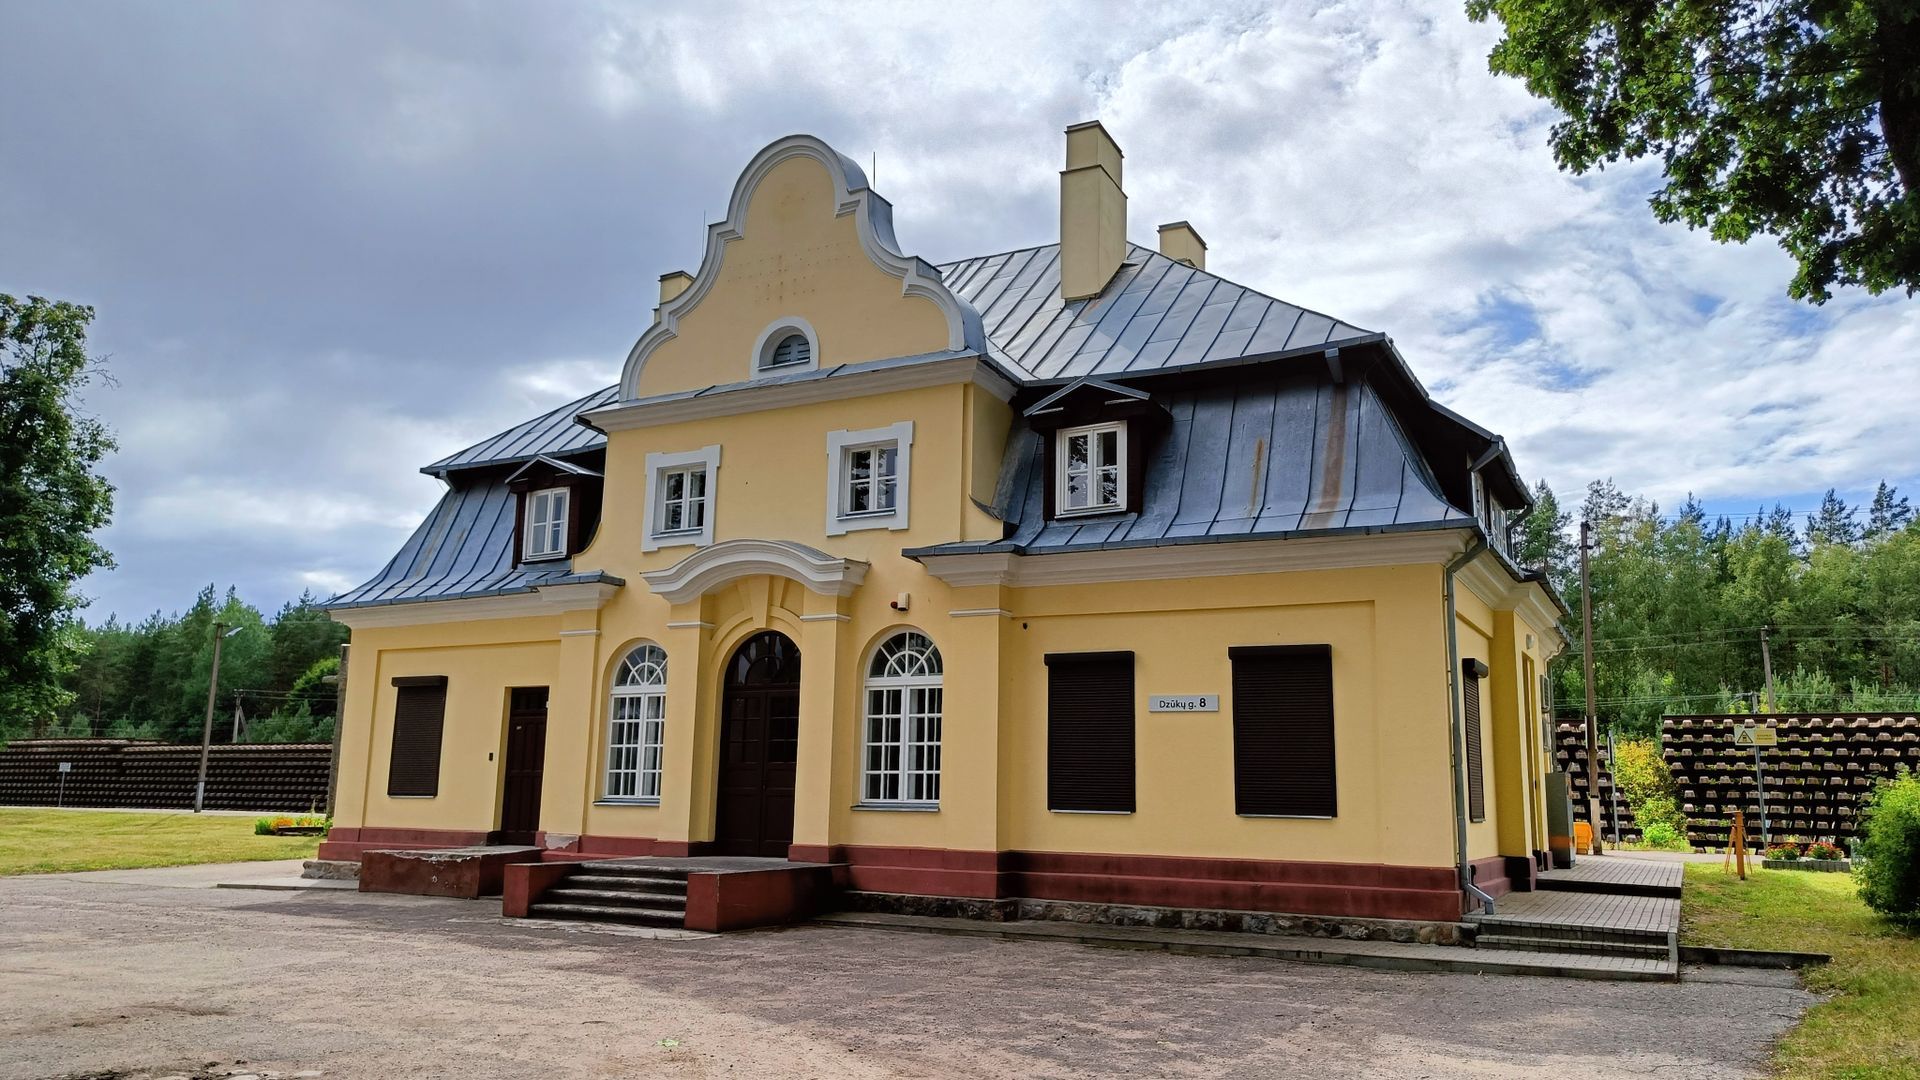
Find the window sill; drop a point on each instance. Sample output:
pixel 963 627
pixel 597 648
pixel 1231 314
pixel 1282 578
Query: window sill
pixel 1288 817
pixel 1102 813
pixel 393 796
pixel 637 800
pixel 909 807
pixel 1090 512
pixel 554 557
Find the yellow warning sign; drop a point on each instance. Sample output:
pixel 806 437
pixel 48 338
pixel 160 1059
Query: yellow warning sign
pixel 1755 735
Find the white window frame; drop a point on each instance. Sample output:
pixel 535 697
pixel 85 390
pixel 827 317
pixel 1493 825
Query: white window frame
pixel 637 779
pixel 1061 457
pixel 840 445
pixel 770 338
pixel 658 466
pixel 559 501
pixel 907 698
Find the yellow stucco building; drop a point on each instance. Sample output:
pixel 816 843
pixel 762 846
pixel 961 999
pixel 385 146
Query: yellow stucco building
pixel 1073 573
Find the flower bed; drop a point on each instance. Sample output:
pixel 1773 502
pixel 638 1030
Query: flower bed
pixel 292 825
pixel 1836 866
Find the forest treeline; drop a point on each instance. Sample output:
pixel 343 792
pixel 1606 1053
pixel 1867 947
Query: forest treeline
pixel 1680 600
pixel 148 680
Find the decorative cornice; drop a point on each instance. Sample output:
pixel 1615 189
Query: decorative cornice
pixel 827 617
pixel 873 220
pixel 1196 560
pixel 730 560
pixel 543 600
pixel 1486 578
pixel 579 633
pixel 849 381
pixel 972 613
pixel 695 624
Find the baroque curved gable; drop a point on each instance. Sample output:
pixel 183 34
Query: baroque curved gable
pixel 848 199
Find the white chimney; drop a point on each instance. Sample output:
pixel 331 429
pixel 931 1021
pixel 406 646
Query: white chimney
pixel 1093 212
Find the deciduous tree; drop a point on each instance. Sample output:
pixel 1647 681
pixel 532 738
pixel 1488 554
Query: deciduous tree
pixel 1799 119
pixel 52 500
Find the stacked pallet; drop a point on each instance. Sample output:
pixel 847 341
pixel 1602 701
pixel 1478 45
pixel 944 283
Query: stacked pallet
pixel 1570 757
pixel 284 778
pixel 1815 778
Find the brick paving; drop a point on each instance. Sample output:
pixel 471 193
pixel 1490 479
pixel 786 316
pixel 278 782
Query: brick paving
pixel 1637 915
pixel 1604 873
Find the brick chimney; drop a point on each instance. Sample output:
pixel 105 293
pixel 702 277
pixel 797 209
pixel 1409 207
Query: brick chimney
pixel 1180 243
pixel 1093 212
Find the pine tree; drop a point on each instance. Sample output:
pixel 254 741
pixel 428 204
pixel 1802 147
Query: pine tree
pixel 1888 513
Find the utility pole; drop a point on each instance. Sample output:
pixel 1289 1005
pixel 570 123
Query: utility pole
pixel 220 634
pixel 1766 666
pixel 1593 721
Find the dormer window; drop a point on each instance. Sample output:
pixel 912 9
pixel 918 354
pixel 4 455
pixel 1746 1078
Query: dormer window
pixel 546 527
pixel 557 504
pixel 1092 473
pixel 790 351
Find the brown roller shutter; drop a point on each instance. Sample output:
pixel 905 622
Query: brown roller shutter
pixel 1471 672
pixel 1090 731
pixel 419 717
pixel 1283 756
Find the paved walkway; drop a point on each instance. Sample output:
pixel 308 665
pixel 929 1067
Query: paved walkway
pixel 1586 911
pixel 1608 873
pixel 104 977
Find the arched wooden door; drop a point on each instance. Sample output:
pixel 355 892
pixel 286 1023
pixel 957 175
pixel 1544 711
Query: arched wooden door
pixel 759 742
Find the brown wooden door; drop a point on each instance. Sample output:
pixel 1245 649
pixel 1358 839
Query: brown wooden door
pixel 759 743
pixel 525 765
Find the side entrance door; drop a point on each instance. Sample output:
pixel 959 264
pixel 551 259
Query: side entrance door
pixel 759 744
pixel 525 765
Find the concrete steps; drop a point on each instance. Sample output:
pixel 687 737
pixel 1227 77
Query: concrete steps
pixel 614 892
pixel 1652 948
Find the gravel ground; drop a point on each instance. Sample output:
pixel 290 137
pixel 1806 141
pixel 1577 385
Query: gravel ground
pixel 119 975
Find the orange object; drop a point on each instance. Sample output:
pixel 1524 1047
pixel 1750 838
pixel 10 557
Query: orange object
pixel 1582 837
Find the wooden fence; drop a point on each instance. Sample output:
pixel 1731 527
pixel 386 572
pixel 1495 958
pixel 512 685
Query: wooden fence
pixel 282 778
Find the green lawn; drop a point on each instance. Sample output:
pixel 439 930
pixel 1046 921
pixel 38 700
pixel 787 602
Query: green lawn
pixel 1871 1025
pixel 56 841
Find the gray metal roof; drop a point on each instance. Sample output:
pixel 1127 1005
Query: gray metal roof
pixel 549 433
pixel 1276 455
pixel 463 549
pixel 1155 314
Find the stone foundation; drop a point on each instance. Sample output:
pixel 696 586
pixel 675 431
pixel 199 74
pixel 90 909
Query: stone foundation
pixel 1164 918
pixel 331 869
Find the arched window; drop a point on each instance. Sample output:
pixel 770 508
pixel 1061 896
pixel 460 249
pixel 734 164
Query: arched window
pixel 636 724
pixel 902 747
pixel 792 351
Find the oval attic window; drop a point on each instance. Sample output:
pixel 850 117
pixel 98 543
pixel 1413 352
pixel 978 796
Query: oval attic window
pixel 793 349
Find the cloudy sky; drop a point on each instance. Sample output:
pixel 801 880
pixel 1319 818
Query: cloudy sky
pixel 331 243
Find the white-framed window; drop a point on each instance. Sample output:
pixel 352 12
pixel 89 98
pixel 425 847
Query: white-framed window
pixel 867 478
pixel 545 531
pixel 901 749
pixel 1091 472
pixel 787 345
pixel 680 498
pixel 637 725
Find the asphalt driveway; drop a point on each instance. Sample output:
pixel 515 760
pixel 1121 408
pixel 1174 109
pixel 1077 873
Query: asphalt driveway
pixel 128 974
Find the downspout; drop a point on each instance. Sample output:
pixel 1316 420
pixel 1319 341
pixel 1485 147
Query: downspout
pixel 1462 863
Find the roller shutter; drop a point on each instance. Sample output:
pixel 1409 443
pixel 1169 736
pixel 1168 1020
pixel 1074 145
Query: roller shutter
pixel 1283 753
